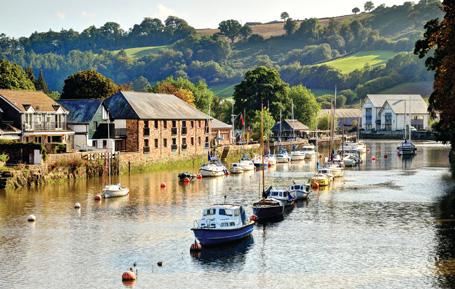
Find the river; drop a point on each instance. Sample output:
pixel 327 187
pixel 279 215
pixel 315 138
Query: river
pixel 388 224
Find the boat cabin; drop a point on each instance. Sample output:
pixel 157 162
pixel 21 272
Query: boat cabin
pixel 279 194
pixel 222 217
pixel 299 187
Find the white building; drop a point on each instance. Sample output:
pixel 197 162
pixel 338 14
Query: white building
pixel 393 111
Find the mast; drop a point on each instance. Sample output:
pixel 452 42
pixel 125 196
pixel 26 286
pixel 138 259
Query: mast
pixel 292 112
pixel 410 118
pixel 108 150
pixel 280 126
pixel 262 146
pixel 332 124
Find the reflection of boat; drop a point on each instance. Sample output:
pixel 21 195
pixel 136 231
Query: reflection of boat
pixel 300 191
pixel 229 254
pixel 309 151
pixel 213 169
pixel 222 224
pixel 236 168
pixel 268 209
pixel 282 195
pixel 185 175
pixel 114 191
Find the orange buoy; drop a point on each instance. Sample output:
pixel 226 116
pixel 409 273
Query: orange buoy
pixel 163 185
pixel 199 177
pixel 128 276
pixel 253 218
pixel 373 158
pixel 186 181
pixel 98 198
pixel 195 247
pixel 314 185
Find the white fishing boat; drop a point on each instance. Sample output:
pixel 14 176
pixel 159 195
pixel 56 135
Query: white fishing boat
pixel 300 191
pixel 236 168
pixel 297 155
pixel 282 195
pixel 213 169
pixel 309 151
pixel 114 191
pixel 336 170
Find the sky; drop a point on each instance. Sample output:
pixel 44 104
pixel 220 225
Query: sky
pixel 23 17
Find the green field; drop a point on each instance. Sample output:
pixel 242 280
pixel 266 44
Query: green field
pixel 223 90
pixel 138 52
pixel 423 88
pixel 359 60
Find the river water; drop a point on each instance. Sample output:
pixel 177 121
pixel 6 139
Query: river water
pixel 388 224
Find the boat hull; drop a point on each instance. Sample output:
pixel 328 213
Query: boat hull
pixel 300 195
pixel 209 173
pixel 213 237
pixel 115 194
pixel 268 214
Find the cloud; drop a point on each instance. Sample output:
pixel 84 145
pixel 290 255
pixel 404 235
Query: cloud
pixel 163 12
pixel 60 14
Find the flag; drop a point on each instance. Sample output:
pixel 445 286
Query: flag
pixel 242 121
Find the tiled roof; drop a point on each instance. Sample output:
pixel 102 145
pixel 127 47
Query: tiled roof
pixel 22 99
pixel 81 110
pixel 143 105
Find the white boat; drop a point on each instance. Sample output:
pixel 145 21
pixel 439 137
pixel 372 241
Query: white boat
pixel 114 191
pixel 300 191
pixel 236 168
pixel 213 169
pixel 283 157
pixel 326 172
pixel 270 160
pixel 336 170
pixel 350 160
pixel 354 146
pixel 309 151
pixel 246 163
pixel 282 195
pixel 297 155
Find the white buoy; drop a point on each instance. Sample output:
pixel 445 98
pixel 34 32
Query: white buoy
pixel 31 218
pixel 77 205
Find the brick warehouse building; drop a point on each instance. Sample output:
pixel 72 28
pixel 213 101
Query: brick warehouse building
pixel 159 125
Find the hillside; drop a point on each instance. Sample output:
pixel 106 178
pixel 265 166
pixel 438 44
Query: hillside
pixel 138 52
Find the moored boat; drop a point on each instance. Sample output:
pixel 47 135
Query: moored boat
pixel 246 163
pixel 309 151
pixel 283 157
pixel 186 176
pixel 213 169
pixel 282 195
pixel 268 209
pixel 321 179
pixel 300 191
pixel 114 191
pixel 297 155
pixel 236 168
pixel 221 224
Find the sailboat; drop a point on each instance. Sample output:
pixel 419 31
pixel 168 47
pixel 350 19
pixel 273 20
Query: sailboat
pixel 266 209
pixel 112 190
pixel 407 148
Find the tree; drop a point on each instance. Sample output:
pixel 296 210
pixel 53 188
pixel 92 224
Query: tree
pixel 309 29
pixel 245 31
pixel 230 29
pixel 306 107
pixel 355 10
pixel 13 76
pixel 439 47
pixel 262 85
pixel 169 88
pixel 30 74
pixel 290 26
pixel 323 122
pixel 141 84
pixel 369 5
pixel 268 123
pixel 41 83
pixel 88 84
pixel 284 16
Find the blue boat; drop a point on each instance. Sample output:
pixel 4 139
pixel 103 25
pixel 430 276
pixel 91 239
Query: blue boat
pixel 222 224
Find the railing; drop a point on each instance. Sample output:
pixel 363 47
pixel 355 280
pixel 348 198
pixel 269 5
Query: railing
pixel 184 130
pixel 44 126
pixel 146 131
pixel 146 150
pixel 173 130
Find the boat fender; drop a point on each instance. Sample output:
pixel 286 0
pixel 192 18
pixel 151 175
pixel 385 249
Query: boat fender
pixel 98 198
pixel 199 177
pixel 314 185
pixel 31 218
pixel 163 185
pixel 195 247
pixel 186 181
pixel 253 218
pixel 129 276
pixel 77 205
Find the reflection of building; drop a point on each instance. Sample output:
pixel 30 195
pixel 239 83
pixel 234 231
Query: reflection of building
pixel 88 118
pixel 392 112
pixel 221 132
pixel 37 117
pixel 346 117
pixel 157 124
pixel 290 129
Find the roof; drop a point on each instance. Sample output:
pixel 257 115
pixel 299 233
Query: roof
pixel 81 110
pixel 218 124
pixel 414 106
pixel 144 105
pixel 290 124
pixel 343 112
pixel 378 100
pixel 7 128
pixel 23 99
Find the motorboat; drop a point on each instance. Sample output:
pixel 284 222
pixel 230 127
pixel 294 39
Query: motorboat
pixel 407 148
pixel 282 195
pixel 222 223
pixel 268 209
pixel 246 163
pixel 309 151
pixel 336 169
pixel 213 169
pixel 350 160
pixel 321 179
pixel 297 155
pixel 114 191
pixel 354 146
pixel 300 191
pixel 283 157
pixel 236 168
pixel 328 172
pixel 270 160
pixel 186 177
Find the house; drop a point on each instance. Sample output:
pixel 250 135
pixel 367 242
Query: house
pixel 89 119
pixel 391 112
pixel 290 129
pixel 221 132
pixel 160 125
pixel 346 118
pixel 37 117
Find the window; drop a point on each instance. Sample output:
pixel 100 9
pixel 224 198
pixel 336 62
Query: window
pixel 192 141
pixel 156 143
pixel 174 141
pixel 236 212
pixel 222 212
pixel 199 123
pixel 368 115
pixel 184 140
pixel 146 123
pixel 146 142
pixel 37 139
pixel 199 140
pixel 95 143
pixel 232 224
pixel 104 143
pixel 174 123
pixel 192 124
pixel 184 123
pixel 165 124
pixel 156 124
pixel 58 121
pixel 165 142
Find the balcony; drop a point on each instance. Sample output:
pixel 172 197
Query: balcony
pixel 173 130
pixel 184 146
pixel 146 150
pixel 174 147
pixel 44 126
pixel 184 130
pixel 146 131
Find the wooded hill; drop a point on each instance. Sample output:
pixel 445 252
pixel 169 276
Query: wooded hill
pixel 365 53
